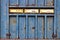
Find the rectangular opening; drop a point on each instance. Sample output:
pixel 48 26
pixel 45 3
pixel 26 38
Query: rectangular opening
pixel 47 11
pixel 16 10
pixel 22 27
pixel 31 11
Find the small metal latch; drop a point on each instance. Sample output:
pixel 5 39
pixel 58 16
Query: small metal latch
pixel 54 35
pixel 33 27
pixel 33 4
pixel 24 27
pixel 8 34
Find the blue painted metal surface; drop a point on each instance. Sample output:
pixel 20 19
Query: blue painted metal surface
pixel 30 25
pixel 49 2
pixel 22 3
pixel 13 2
pixel 32 2
pixel 50 27
pixel 13 27
pixel 40 2
pixel 40 27
pixel 22 27
pixel 4 24
pixel 58 19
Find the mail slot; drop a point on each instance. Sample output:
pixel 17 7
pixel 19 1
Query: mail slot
pixel 31 11
pixel 46 10
pixel 16 10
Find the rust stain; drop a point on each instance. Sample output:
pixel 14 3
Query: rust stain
pixel 50 3
pixel 13 21
pixel 54 35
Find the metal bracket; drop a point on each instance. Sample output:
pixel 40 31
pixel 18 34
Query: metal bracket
pixel 54 35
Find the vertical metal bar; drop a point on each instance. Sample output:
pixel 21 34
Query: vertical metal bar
pixel 17 2
pixel 44 2
pixel 27 26
pixel 36 2
pixel 8 31
pixel 35 27
pixel 9 26
pixel 45 26
pixel 0 18
pixel 17 28
pixel 55 18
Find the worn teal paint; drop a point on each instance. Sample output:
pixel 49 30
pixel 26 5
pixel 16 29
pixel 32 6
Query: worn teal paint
pixel 36 28
pixel 0 17
pixel 58 26
pixel 5 19
pixel 22 3
pixel 40 2
pixel 45 31
pixel 13 27
pixel 50 26
pixel 31 26
pixel 13 2
pixel 55 17
pixel 4 14
pixel 27 28
pixel 32 2
pixel 40 27
pixel 22 27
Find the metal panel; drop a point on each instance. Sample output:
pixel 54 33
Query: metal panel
pixel 31 21
pixel 49 2
pixel 4 14
pixel 40 27
pixel 58 26
pixel 32 2
pixel 22 27
pixel 40 2
pixel 58 7
pixel 58 18
pixel 13 27
pixel 50 26
pixel 22 3
pixel 0 19
pixel 47 11
pixel 13 2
